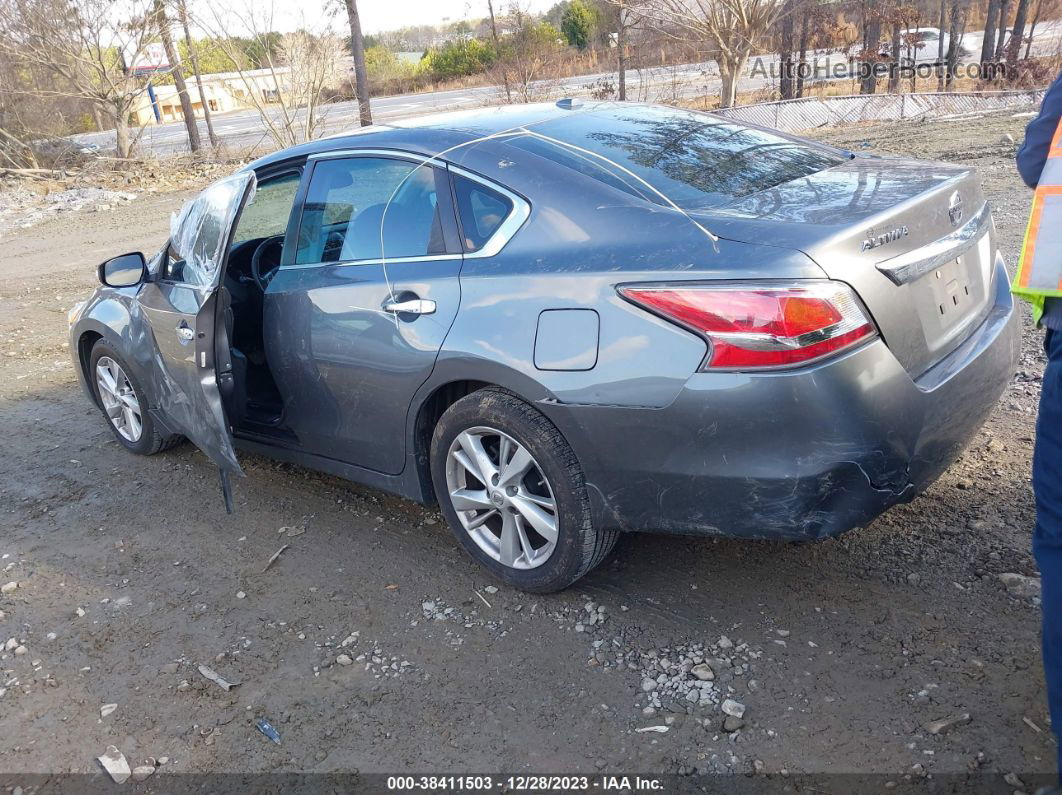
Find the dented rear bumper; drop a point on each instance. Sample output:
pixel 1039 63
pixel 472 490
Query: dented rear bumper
pixel 797 455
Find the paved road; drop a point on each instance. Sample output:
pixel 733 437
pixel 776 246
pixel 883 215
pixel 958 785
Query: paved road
pixel 240 129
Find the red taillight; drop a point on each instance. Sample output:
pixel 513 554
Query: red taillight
pixel 761 327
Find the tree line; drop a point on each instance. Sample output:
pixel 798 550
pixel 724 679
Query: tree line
pixel 64 64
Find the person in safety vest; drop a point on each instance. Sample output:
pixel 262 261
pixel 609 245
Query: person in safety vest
pixel 1039 279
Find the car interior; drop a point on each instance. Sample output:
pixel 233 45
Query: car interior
pixel 341 221
pixel 252 401
pixel 357 209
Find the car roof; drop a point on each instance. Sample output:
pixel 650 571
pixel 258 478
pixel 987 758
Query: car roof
pixel 433 133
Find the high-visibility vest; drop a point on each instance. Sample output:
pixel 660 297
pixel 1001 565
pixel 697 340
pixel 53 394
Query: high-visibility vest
pixel 1039 272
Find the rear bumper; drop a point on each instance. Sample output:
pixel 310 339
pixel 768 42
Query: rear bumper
pixel 798 455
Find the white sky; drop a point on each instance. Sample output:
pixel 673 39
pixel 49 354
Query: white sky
pixel 381 15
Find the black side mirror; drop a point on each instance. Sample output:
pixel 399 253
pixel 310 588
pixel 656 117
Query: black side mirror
pixel 126 270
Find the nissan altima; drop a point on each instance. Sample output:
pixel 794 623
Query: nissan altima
pixel 564 321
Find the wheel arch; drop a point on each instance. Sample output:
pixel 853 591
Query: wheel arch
pixel 454 378
pixel 106 318
pixel 85 343
pixel 427 416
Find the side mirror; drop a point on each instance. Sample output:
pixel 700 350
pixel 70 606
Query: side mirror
pixel 126 270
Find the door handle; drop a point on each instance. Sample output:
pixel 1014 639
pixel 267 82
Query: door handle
pixel 415 306
pixel 185 333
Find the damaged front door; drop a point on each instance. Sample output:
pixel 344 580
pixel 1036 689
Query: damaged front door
pixel 179 304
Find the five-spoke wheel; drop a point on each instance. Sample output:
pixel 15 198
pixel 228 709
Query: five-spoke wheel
pixel 501 497
pixel 513 492
pixel 123 402
pixel 119 401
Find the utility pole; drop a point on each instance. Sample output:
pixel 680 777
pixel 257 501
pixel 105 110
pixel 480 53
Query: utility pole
pixel 182 12
pixel 497 50
pixel 357 49
pixel 178 79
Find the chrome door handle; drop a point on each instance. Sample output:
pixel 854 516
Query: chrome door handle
pixel 416 306
pixel 185 334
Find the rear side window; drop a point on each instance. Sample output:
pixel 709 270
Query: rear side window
pixel 369 208
pixel 481 210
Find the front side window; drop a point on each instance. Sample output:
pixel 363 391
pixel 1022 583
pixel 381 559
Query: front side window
pixel 266 215
pixel 370 208
pixel 199 233
pixel 481 209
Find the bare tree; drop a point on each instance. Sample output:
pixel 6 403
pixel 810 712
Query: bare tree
pixel 786 83
pixel 940 43
pixel 955 34
pixel 312 62
pixel 896 20
pixel 802 58
pixel 187 111
pixel 733 27
pixel 357 49
pixel 288 88
pixel 1017 35
pixel 992 21
pixel 193 56
pixel 497 46
pixel 527 55
pixel 623 14
pixel 86 45
pixel 1001 40
pixel 1032 28
pixel 871 47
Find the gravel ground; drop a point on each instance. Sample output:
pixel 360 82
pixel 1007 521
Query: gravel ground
pixel 373 644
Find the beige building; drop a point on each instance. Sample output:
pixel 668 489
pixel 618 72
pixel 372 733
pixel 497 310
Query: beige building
pixel 223 91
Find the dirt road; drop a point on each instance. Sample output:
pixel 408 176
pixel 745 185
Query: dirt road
pixel 130 575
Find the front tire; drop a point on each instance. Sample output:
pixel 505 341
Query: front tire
pixel 513 493
pixel 123 402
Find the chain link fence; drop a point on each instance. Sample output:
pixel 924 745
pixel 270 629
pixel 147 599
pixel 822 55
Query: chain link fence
pixel 807 113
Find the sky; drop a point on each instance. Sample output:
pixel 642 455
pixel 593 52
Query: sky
pixel 381 15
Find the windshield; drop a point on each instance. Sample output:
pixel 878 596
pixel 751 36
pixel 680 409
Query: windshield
pixel 696 160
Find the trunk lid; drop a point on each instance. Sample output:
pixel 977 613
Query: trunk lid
pixel 914 239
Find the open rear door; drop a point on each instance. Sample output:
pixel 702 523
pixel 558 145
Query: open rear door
pixel 177 311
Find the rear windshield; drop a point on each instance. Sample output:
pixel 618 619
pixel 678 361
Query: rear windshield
pixel 695 160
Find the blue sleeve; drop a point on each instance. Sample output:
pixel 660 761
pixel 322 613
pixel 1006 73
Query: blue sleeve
pixel 1033 152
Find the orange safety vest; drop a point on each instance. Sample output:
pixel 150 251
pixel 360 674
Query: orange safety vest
pixel 1039 272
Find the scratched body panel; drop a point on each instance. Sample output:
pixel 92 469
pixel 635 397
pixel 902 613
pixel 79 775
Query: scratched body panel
pixel 664 444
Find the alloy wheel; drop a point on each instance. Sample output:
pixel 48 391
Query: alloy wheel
pixel 502 497
pixel 119 399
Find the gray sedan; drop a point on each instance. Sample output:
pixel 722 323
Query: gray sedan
pixel 560 322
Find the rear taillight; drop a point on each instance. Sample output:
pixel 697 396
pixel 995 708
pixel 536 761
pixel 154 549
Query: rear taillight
pixel 756 327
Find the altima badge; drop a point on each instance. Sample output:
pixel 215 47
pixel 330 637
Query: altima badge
pixel 955 208
pixel 875 241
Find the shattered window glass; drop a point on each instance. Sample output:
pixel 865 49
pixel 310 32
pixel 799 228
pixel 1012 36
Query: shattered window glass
pixel 368 208
pixel 199 233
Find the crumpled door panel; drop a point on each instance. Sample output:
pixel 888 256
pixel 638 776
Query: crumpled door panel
pixel 173 318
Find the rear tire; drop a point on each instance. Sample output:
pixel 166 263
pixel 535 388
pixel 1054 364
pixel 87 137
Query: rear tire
pixel 548 496
pixel 124 402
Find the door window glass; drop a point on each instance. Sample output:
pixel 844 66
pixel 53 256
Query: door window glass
pixel 266 215
pixel 482 211
pixel 368 208
pixel 199 234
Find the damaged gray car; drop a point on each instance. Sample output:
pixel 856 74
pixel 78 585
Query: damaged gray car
pixel 564 321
